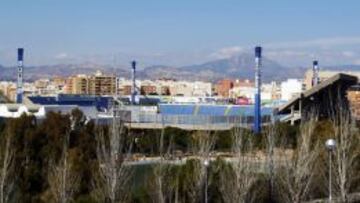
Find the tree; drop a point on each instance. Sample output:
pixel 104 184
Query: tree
pixel 27 146
pixel 295 170
pixel 112 154
pixel 6 170
pixel 346 153
pixel 237 181
pixel 159 172
pixel 165 174
pixel 191 180
pixel 202 144
pixel 63 181
pixel 270 147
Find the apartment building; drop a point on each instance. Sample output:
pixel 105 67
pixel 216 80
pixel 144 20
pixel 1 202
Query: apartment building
pixel 167 87
pixel 223 87
pixel 291 88
pixel 8 89
pixel 78 84
pixel 100 84
pixel 148 88
pixel 97 84
pixel 353 95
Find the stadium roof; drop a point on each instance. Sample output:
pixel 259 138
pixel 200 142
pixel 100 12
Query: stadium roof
pixel 39 111
pixel 317 95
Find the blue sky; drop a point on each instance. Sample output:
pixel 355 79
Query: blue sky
pixel 179 32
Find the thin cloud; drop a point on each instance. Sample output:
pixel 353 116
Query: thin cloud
pixel 349 54
pixel 288 53
pixel 227 52
pixel 322 42
pixel 62 55
pixel 304 57
pixel 356 62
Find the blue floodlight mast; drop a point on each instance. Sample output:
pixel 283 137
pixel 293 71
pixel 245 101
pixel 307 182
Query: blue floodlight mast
pixel 19 86
pixel 315 73
pixel 133 78
pixel 257 117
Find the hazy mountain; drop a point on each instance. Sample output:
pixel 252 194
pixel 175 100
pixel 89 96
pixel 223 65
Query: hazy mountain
pixel 36 72
pixel 156 72
pixel 241 66
pixel 343 67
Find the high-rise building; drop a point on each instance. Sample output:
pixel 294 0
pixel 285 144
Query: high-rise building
pixel 97 84
pixel 78 84
pixel 59 82
pixel 100 84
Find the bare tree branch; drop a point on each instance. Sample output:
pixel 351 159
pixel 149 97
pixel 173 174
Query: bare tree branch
pixel 236 183
pixel 114 172
pixel 6 174
pixel 346 152
pixel 63 181
pixel 202 144
pixel 296 174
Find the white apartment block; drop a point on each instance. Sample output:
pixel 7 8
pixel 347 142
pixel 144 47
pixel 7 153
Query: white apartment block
pixel 291 88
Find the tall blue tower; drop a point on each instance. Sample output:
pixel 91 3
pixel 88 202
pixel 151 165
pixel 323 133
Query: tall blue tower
pixel 257 117
pixel 19 86
pixel 133 78
pixel 315 78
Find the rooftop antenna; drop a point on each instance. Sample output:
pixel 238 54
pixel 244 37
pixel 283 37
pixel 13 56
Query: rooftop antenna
pixel 19 86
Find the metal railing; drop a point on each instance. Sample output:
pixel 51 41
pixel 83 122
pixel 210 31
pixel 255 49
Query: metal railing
pixel 148 116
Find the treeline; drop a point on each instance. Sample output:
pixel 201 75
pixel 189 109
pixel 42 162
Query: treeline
pixel 66 158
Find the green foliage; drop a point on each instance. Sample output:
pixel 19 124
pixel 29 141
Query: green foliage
pixel 286 135
pixel 223 141
pixel 38 144
pixel 85 199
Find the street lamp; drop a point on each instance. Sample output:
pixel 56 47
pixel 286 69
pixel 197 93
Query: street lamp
pixel 206 164
pixel 330 145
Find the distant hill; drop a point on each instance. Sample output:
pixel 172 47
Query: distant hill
pixel 156 72
pixel 36 72
pixel 343 68
pixel 241 66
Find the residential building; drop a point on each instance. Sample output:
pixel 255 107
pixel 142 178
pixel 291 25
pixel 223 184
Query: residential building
pixel 97 84
pixel 78 84
pixel 148 88
pixel 100 84
pixel 223 87
pixel 291 88
pixel 353 96
pixel 8 89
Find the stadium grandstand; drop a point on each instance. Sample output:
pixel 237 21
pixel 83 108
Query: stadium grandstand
pixel 148 113
pixel 102 103
pixel 211 110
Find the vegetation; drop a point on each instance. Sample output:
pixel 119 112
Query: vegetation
pixel 65 158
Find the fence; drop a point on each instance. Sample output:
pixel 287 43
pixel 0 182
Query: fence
pixel 150 118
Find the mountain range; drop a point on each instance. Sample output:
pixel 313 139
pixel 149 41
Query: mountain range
pixel 241 66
